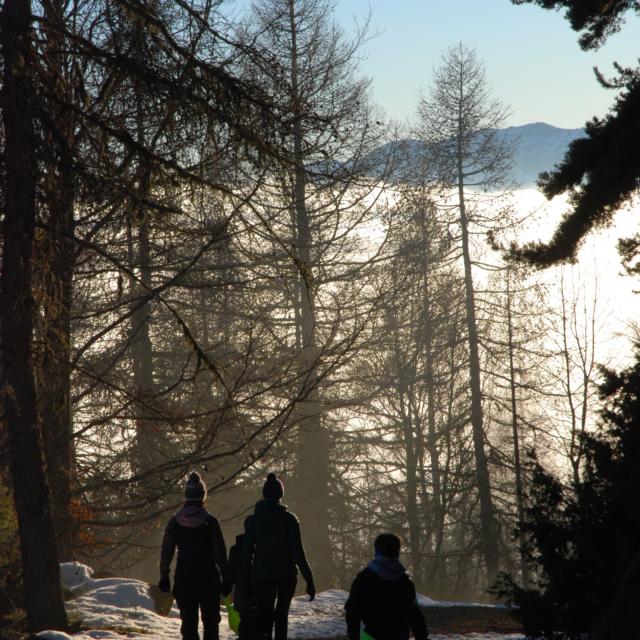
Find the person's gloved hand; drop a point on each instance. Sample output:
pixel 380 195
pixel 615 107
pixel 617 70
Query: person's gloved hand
pixel 164 585
pixel 311 591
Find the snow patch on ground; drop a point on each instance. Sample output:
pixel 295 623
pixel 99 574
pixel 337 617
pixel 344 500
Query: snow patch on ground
pixel 119 608
pixel 424 601
pixel 74 574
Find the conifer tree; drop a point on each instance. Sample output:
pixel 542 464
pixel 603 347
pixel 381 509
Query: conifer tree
pixel 600 172
pixel 582 539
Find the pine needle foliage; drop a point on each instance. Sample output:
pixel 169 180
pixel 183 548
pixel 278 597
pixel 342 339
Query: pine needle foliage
pixel 600 172
pixel 582 539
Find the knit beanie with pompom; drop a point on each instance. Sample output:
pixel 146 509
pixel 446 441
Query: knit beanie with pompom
pixel 195 489
pixel 273 487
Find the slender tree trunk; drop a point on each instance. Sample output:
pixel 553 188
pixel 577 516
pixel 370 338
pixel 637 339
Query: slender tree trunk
pixel 516 436
pixel 54 388
pixel 147 453
pixel 147 444
pixel 41 572
pixel 147 440
pixel 445 469
pixel 142 354
pixel 487 514
pixel 411 437
pixel 432 438
pixel 574 457
pixel 413 518
pixel 312 471
pixel 57 256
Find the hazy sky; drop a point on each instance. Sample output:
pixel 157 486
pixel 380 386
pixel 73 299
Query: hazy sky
pixel 533 61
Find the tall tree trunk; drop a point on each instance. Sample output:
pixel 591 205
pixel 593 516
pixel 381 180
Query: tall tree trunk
pixel 413 519
pixel 147 446
pixel 146 452
pixel 524 568
pixel 147 443
pixel 487 515
pixel 54 374
pixel 41 572
pixel 437 508
pixel 57 256
pixel 312 473
pixel 411 437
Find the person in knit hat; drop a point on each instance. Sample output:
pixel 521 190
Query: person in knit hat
pixel 272 489
pixel 201 572
pixel 194 489
pixel 383 597
pixel 272 554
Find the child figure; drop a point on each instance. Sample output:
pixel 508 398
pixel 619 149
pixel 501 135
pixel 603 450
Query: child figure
pixel 383 597
pixel 243 601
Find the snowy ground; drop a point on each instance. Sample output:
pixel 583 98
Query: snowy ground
pixel 118 608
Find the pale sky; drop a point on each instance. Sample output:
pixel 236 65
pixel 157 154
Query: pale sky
pixel 532 57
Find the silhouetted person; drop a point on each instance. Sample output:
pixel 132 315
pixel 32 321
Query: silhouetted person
pixel 243 600
pixel 383 597
pixel 201 567
pixel 272 549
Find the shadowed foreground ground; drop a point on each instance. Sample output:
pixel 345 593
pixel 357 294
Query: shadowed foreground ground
pixel 466 619
pixel 113 608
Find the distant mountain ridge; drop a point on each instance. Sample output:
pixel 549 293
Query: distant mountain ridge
pixel 537 147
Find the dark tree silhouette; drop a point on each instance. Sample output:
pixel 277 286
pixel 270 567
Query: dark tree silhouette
pixel 40 571
pixel 602 170
pixel 59 139
pixel 597 19
pixel 583 539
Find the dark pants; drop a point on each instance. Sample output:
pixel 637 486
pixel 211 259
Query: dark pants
pixel 192 598
pixel 247 630
pixel 273 598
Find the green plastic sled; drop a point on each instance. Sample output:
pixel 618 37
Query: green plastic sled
pixel 232 615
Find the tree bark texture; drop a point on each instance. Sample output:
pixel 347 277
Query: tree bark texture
pixel 41 573
pixel 56 259
pixel 54 371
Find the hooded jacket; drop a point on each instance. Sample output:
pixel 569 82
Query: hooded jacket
pixel 202 554
pixel 383 597
pixel 272 546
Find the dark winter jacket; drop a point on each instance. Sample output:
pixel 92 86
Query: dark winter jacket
pixel 383 597
pixel 202 554
pixel 242 596
pixel 272 546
